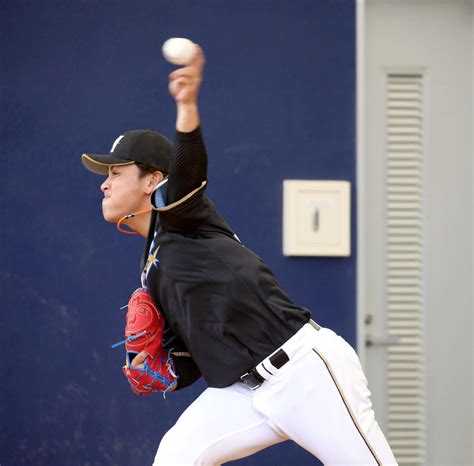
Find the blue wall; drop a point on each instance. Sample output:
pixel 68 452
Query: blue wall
pixel 278 101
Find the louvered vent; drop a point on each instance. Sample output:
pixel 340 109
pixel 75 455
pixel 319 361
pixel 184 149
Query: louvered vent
pixel 404 287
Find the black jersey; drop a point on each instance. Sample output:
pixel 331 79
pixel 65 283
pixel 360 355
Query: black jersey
pixel 219 298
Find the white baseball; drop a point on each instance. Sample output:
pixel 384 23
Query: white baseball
pixel 179 50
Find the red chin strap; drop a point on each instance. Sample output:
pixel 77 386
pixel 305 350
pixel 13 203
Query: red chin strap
pixel 125 217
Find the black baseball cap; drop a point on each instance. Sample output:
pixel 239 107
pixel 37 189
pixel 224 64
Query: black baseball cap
pixel 139 145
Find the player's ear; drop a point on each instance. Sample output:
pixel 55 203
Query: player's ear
pixel 152 180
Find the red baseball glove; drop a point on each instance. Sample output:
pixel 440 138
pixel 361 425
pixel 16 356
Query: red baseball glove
pixel 144 334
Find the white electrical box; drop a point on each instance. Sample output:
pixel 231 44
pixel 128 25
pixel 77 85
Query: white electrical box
pixel 316 218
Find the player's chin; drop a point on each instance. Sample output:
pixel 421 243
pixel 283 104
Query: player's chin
pixel 110 214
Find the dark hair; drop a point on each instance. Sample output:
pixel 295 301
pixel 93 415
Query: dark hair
pixel 146 168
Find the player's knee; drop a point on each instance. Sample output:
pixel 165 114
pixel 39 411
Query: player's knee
pixel 174 449
pixel 180 447
pixel 168 450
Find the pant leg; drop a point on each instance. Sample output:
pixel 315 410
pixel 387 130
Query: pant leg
pixel 219 426
pixel 321 401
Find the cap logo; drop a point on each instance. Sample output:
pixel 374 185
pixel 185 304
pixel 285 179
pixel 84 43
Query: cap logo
pixel 114 145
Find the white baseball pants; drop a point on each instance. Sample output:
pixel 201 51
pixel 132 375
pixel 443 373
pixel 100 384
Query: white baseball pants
pixel 319 399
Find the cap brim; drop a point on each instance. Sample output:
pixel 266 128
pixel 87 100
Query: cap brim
pixel 100 163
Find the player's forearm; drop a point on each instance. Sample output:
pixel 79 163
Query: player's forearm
pixel 187 118
pixel 184 85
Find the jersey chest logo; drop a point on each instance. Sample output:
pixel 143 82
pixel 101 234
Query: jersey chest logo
pixel 152 261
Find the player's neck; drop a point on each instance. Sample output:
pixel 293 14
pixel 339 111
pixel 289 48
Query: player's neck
pixel 140 223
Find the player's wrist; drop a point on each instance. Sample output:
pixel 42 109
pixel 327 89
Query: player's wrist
pixel 187 106
pixel 187 118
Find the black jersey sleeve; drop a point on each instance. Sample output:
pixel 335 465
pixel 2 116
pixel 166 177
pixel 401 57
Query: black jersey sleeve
pixel 185 367
pixel 185 207
pixel 188 168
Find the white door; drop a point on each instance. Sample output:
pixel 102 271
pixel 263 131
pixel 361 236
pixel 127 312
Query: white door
pixel 415 245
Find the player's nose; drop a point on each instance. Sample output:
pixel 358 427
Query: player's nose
pixel 105 185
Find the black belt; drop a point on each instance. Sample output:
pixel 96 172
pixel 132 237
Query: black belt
pixel 253 379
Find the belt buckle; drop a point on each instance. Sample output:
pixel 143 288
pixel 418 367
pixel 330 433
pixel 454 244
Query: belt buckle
pixel 250 380
pixel 314 324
